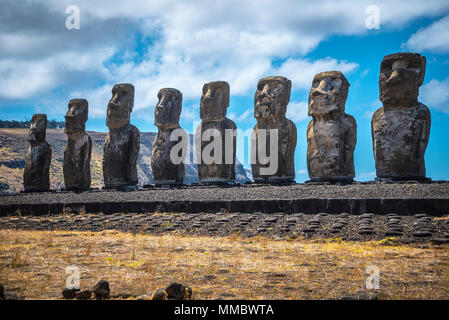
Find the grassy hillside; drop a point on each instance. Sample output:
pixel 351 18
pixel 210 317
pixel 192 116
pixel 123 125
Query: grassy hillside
pixel 13 148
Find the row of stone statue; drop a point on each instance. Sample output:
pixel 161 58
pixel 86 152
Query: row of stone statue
pixel 400 133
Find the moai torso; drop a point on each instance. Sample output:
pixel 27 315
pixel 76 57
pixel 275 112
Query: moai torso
pixel 120 152
pixel 400 139
pixel 122 143
pixel 213 107
pixel 286 141
pixel 401 128
pixel 76 167
pixel 165 168
pixel 77 153
pixel 270 106
pixel 223 172
pixel 37 165
pixel 332 134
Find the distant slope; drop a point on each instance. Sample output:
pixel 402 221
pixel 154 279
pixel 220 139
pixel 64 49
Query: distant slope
pixel 13 148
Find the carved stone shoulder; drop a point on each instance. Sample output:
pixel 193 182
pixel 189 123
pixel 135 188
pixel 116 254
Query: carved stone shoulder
pixel 377 114
pixel 422 112
pixel 229 124
pixel 134 130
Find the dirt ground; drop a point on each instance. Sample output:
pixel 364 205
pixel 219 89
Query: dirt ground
pixel 33 265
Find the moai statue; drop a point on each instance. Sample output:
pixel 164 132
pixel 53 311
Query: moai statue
pixel 121 147
pixel 401 128
pixel 215 136
pixel 167 160
pixel 273 139
pixel 78 150
pixel 36 175
pixel 332 134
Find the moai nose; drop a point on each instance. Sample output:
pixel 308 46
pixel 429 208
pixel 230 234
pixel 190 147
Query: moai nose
pixel 395 77
pixel 115 99
pixel 70 113
pixel 321 89
pixel 208 94
pixel 265 90
pixel 162 102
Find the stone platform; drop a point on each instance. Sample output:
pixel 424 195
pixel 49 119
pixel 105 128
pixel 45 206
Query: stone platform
pixel 419 228
pixel 379 198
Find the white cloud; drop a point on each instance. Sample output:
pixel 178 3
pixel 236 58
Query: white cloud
pixel 189 114
pixel 302 71
pixel 371 108
pixel 297 111
pixel 366 175
pixel 245 115
pixel 435 94
pixel 98 99
pixel 364 73
pixel 191 43
pixel 432 38
pixel 25 79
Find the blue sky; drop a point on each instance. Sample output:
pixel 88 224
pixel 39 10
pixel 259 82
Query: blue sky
pixel 183 44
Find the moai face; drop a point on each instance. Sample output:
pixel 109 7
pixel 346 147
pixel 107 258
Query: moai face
pixel 38 127
pixel 168 108
pixel 272 97
pixel 401 75
pixel 214 100
pixel 328 93
pixel 76 116
pixel 120 105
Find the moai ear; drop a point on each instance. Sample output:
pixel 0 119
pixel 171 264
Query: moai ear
pixel 226 92
pixel 86 112
pixel 131 102
pixel 288 89
pixel 422 70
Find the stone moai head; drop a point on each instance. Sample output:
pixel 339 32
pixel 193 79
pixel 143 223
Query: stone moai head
pixel 401 75
pixel 168 108
pixel 272 97
pixel 214 101
pixel 328 94
pixel 38 127
pixel 120 106
pixel 76 116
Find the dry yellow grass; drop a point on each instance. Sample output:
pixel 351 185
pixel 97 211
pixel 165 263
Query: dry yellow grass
pixel 13 177
pixel 32 263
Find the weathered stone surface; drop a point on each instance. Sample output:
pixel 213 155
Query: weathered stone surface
pixel 121 147
pixel 225 224
pixel 77 153
pixel 69 293
pixel 83 295
pixel 160 295
pixel 332 134
pixel 144 296
pixel 12 296
pixel 167 169
pixel 178 291
pixel 101 289
pixel 401 128
pixel 37 166
pixel 216 154
pixel 270 106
